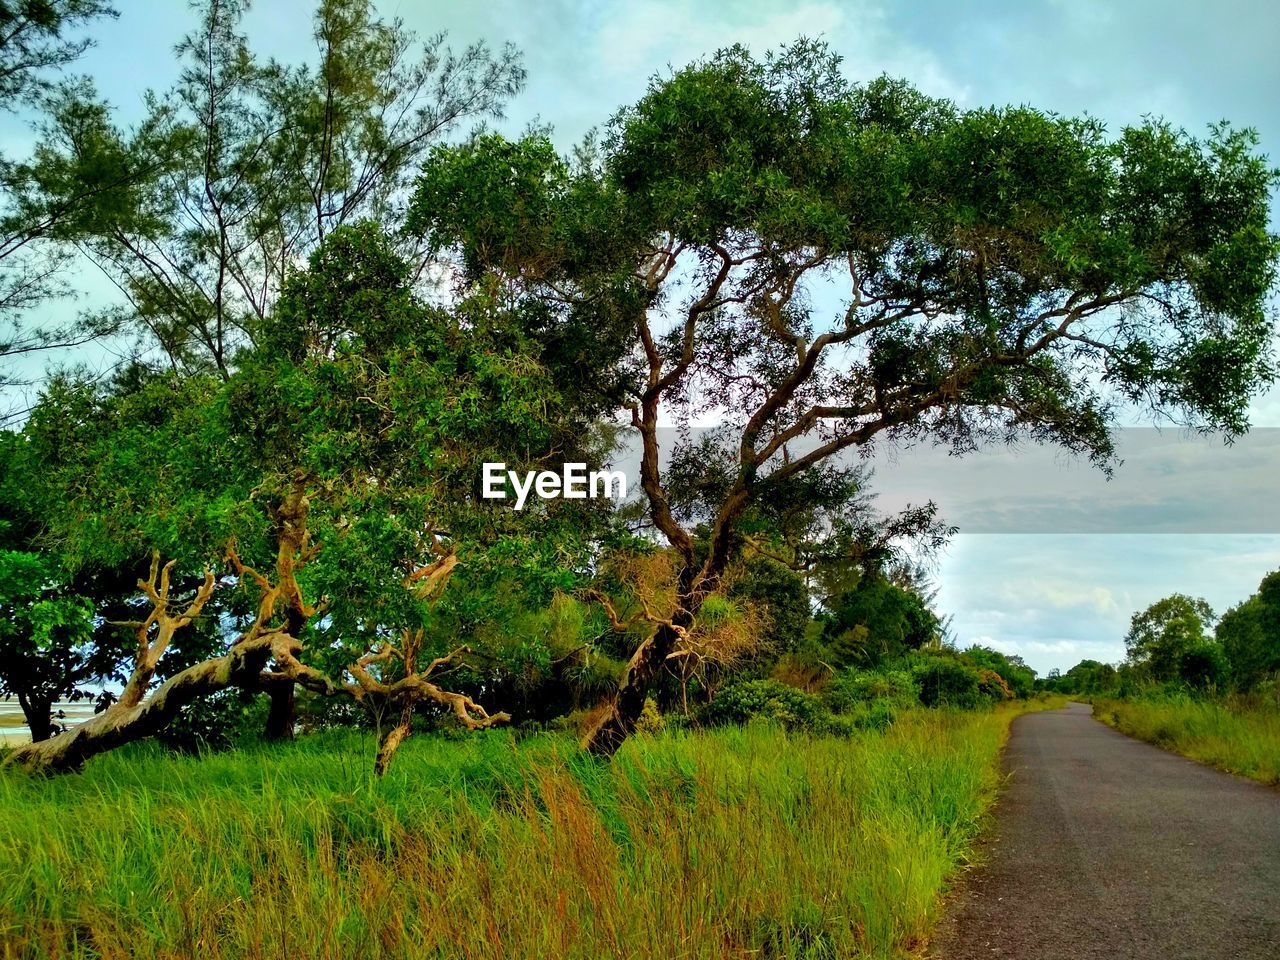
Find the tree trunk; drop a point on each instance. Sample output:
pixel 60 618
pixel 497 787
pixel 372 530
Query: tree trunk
pixel 39 716
pixel 391 742
pixel 123 723
pixel 283 712
pixel 649 658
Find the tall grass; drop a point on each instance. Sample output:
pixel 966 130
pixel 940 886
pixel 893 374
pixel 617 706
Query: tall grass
pixel 1237 735
pixel 738 843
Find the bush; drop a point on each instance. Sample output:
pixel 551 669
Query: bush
pixel 1203 667
pixel 1015 674
pixel 651 719
pixel 765 699
pixel 226 719
pixel 874 715
pixel 992 686
pixel 944 681
pixel 851 689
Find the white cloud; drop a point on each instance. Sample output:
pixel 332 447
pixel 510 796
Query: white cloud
pixel 645 37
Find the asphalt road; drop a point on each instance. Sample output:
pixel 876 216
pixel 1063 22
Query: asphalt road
pixel 1108 847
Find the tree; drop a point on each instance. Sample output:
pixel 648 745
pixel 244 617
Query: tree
pixel 1250 635
pixel 44 638
pixel 331 478
pixel 1087 676
pixel 36 40
pixel 1012 669
pixel 1006 274
pixel 238 173
pixel 781 593
pixel 1168 632
pixel 55 639
pixel 878 620
pixel 252 163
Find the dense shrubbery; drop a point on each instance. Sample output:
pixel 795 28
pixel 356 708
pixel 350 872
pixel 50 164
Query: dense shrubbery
pixel 871 698
pixel 944 681
pixel 850 689
pixel 767 700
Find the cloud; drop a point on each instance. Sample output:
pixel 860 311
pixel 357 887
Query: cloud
pixel 1063 595
pixel 646 35
pixel 1057 599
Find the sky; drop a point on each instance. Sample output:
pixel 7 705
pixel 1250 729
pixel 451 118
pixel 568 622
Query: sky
pixel 1055 590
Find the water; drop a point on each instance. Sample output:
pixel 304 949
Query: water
pixel 13 727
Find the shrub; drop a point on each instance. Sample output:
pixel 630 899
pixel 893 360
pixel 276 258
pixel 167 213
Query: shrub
pixel 851 689
pixel 873 715
pixel 765 699
pixel 219 722
pixel 651 719
pixel 946 681
pixel 992 686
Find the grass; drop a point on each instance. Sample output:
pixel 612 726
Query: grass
pixel 736 843
pixel 1239 736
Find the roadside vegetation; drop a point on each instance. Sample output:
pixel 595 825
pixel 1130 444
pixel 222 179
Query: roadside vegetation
pixel 1237 734
pixel 746 841
pixel 1205 686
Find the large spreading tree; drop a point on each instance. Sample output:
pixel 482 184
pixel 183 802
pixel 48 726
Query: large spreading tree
pixel 825 265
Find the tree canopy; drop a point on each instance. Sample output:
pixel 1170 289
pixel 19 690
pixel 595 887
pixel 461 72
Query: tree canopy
pixel 1002 273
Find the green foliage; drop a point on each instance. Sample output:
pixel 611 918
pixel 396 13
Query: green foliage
pixel 765 700
pixel 992 686
pixel 227 719
pixel 877 621
pixel 250 163
pixel 1168 642
pixel 37 37
pixel 651 719
pixel 1012 670
pixel 380 407
pixel 1086 677
pixel 851 688
pixel 1029 299
pixel 1012 274
pixel 38 40
pixel 45 633
pixel 945 680
pixel 1250 636
pixel 781 593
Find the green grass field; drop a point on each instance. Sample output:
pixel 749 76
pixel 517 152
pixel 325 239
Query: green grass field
pixel 1236 736
pixel 737 843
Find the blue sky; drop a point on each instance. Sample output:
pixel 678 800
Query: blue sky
pixel 1054 597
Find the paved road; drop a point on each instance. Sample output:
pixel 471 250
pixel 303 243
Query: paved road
pixel 1106 847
